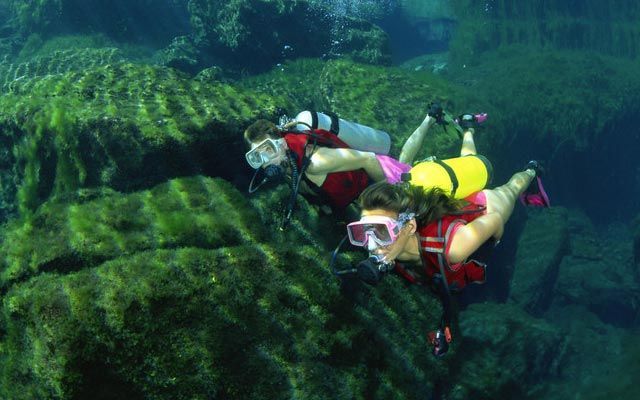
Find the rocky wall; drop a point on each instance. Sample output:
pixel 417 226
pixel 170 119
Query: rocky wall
pixel 608 27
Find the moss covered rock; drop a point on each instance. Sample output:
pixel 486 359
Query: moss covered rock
pixel 63 237
pixel 258 35
pixel 541 248
pixel 606 27
pixel 506 350
pixel 602 281
pixel 178 292
pixel 390 99
pixel 119 124
pixel 154 21
pixel 547 99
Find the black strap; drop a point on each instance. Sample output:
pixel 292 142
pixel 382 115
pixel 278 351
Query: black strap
pixel 314 120
pixel 452 176
pixel 445 293
pixel 335 123
pixel 297 176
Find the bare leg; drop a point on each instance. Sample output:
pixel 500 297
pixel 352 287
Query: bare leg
pixel 468 145
pixel 414 142
pixel 503 198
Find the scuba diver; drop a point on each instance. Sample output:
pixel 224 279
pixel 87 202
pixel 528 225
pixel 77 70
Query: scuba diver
pixel 433 239
pixel 331 161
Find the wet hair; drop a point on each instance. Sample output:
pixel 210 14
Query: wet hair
pixel 260 130
pixel 429 205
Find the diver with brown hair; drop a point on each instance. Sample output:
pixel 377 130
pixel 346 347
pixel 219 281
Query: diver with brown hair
pixel 325 168
pixel 432 239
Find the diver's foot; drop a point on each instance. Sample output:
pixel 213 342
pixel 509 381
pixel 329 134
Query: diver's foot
pixel 436 112
pixel 535 166
pixel 535 195
pixel 467 121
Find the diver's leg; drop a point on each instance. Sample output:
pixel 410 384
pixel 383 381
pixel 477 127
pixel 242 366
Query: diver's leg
pixel 415 140
pixel 468 145
pixel 503 198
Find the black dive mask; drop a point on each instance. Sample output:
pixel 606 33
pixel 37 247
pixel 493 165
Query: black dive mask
pixel 373 269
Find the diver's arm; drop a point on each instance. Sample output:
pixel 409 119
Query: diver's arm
pixel 326 160
pixel 468 238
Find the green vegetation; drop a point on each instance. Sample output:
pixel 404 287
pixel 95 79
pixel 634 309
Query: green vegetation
pixel 116 287
pixel 391 99
pixel 553 96
pixel 606 27
pixel 178 294
pixel 102 125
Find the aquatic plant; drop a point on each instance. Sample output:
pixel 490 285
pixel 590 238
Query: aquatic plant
pixel 258 35
pixel 391 99
pixel 605 27
pixel 150 21
pixel 177 292
pixel 549 98
pixel 115 123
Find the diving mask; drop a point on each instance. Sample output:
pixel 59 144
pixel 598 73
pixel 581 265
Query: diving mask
pixel 269 151
pixel 377 229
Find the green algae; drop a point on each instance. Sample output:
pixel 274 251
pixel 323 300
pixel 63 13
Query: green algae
pixel 553 96
pixel 92 126
pixel 391 99
pixel 180 292
pixel 182 213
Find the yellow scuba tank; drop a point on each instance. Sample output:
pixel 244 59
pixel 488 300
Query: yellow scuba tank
pixel 459 176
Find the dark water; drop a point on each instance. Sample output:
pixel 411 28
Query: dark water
pixel 593 292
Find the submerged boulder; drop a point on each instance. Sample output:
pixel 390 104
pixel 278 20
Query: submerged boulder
pixel 149 21
pixel 258 35
pixel 183 291
pixel 72 124
pixel 541 247
pixel 599 273
pixel 506 350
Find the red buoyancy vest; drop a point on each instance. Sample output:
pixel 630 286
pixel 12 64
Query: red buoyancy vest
pixel 435 239
pixel 339 188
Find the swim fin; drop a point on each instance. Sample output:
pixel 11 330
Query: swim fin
pixel 535 196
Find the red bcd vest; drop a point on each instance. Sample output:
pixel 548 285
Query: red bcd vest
pixel 435 239
pixel 339 188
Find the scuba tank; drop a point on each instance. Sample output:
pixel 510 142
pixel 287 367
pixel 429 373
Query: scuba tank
pixel 358 137
pixel 459 176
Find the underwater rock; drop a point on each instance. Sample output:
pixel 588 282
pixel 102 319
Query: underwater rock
pixel 596 352
pixel 99 225
pixel 558 105
pixel 181 292
pixel 434 21
pixel 541 247
pixel 599 273
pixel 117 124
pixel 589 25
pixel 181 54
pixel 506 349
pixel 149 21
pixel 258 35
pixel 14 75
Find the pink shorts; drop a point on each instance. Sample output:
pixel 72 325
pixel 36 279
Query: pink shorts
pixel 478 198
pixel 392 168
